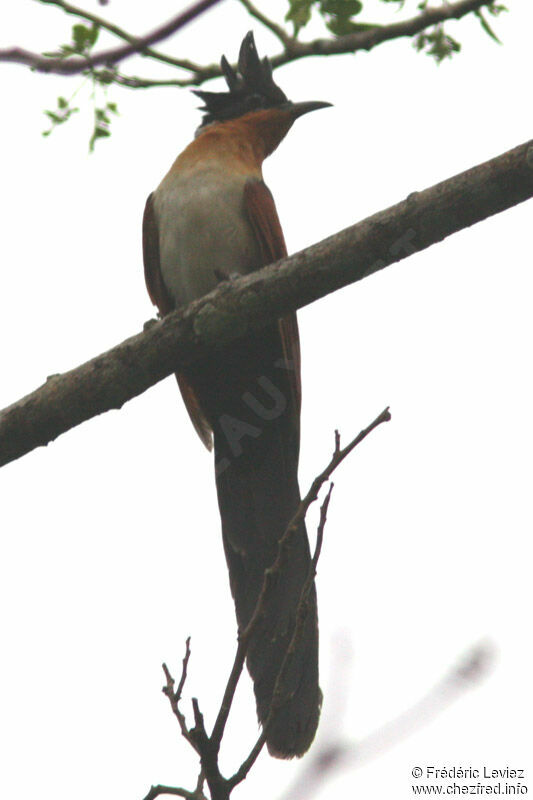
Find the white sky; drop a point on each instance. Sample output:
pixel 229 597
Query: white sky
pixel 110 546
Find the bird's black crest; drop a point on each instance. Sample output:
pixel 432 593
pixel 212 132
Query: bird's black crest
pixel 250 88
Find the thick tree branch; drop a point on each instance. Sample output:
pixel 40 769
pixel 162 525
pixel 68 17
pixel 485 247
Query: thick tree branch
pixel 237 307
pixel 293 49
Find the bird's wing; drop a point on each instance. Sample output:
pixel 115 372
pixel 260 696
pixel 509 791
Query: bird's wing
pixel 160 298
pixel 152 269
pixel 263 216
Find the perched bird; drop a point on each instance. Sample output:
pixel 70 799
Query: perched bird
pixel 210 217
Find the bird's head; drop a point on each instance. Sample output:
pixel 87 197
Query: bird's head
pixel 254 97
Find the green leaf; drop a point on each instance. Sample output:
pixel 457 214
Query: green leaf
pixel 420 42
pixel 340 26
pixel 437 44
pixel 83 38
pixel 496 8
pixel 360 27
pixel 299 13
pixel 338 15
pixel 93 34
pixel 79 37
pixel 486 27
pixel 98 133
pixel 341 8
pixel 112 107
pixel 61 115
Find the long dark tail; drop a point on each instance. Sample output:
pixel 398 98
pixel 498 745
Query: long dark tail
pixel 246 393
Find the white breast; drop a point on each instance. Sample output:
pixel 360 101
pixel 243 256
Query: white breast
pixel 203 231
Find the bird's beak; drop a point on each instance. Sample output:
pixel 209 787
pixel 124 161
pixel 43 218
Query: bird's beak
pixel 298 109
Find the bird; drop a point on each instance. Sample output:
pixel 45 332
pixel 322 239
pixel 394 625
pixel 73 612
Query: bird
pixel 212 217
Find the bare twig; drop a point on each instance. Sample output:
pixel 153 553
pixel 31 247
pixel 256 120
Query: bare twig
pixel 73 65
pixel 110 379
pixel 196 794
pixel 197 737
pixel 175 696
pixel 338 456
pixel 176 791
pixel 248 762
pixel 229 693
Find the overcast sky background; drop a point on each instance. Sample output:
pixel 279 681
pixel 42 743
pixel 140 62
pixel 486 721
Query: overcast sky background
pixel 110 544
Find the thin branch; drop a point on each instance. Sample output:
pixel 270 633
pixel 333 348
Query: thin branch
pixel 292 51
pixel 175 696
pixel 248 763
pixel 156 791
pixel 229 693
pixel 134 82
pixel 68 8
pixel 337 458
pixel 110 379
pixel 197 736
pixel 196 794
pixel 276 29
pixel 368 39
pixel 73 65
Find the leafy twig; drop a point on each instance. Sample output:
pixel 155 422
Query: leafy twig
pixel 76 65
pixel 360 39
pixel 68 8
